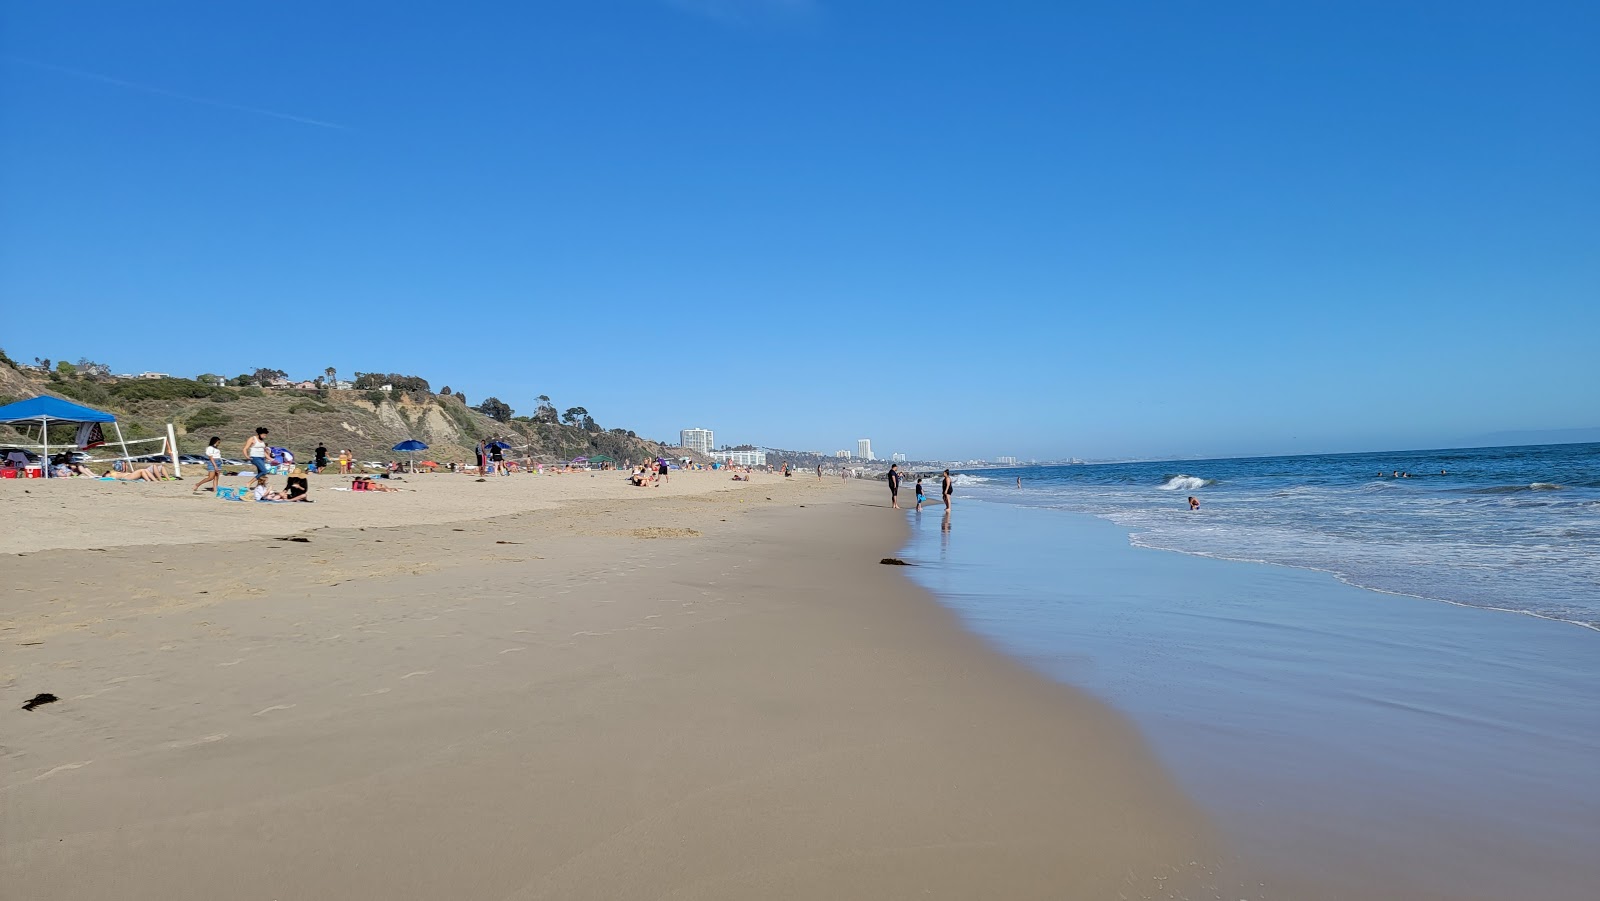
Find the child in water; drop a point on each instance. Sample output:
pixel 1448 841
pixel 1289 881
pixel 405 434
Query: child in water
pixel 1194 503
pixel 919 492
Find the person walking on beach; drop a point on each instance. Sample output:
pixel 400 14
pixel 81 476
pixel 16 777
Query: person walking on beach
pixel 919 493
pixel 947 488
pixel 894 486
pixel 819 472
pixel 255 450
pixel 213 467
pixel 344 461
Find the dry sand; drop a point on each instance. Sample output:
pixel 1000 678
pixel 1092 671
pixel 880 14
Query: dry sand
pixel 683 693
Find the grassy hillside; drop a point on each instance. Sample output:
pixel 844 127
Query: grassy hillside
pixel 368 423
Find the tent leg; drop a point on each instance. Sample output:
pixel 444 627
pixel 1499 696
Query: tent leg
pixel 118 426
pixel 44 439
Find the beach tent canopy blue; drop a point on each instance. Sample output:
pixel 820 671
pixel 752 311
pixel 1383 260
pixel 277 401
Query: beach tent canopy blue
pixel 411 445
pixel 500 444
pixel 51 409
pixel 45 409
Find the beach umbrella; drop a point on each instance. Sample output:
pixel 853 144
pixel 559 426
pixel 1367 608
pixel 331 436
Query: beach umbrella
pixel 411 447
pixel 500 444
pixel 428 463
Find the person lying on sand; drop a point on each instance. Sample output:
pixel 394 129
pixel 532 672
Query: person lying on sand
pixel 371 485
pixel 138 475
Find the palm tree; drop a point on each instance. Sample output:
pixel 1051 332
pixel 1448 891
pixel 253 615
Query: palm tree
pixel 333 376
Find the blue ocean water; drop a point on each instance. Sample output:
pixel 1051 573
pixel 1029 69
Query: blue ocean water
pixel 1506 528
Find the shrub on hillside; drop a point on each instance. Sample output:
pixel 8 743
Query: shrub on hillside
pixel 206 418
pixel 91 393
pixel 165 389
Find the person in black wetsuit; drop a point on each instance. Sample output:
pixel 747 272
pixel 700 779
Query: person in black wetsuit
pixel 947 488
pixel 894 486
pixel 321 456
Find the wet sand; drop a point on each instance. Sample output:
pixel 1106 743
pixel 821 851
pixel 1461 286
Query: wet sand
pixel 717 695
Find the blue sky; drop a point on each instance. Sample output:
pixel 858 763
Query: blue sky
pixel 1031 228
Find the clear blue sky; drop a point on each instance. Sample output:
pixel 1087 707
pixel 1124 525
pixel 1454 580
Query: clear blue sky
pixel 959 229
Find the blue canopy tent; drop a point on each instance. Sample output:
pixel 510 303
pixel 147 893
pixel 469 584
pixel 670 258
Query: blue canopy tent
pixel 45 410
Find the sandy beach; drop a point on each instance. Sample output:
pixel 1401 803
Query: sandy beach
pixel 554 687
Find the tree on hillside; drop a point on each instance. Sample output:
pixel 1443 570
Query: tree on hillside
pixel 573 414
pixel 546 411
pixel 42 363
pixel 333 376
pixel 89 369
pixel 66 368
pixel 495 409
pixel 445 391
pixel 265 377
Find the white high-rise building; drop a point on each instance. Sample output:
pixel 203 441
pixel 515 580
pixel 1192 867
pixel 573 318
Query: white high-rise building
pixel 864 449
pixel 897 458
pixel 696 440
pixel 743 458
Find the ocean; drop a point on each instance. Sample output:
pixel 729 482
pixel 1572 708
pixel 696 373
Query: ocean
pixel 1506 528
pixel 1334 717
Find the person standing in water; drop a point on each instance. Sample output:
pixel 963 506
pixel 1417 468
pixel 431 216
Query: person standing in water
pixel 1019 481
pixel 894 486
pixel 919 493
pixel 947 488
pixel 1194 503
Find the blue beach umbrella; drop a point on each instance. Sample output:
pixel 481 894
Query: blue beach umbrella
pixel 411 447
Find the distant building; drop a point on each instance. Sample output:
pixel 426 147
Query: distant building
pixel 864 449
pixel 154 375
pixel 843 455
pixel 742 458
pixel 305 386
pixel 698 440
pixel 897 458
pixel 1006 461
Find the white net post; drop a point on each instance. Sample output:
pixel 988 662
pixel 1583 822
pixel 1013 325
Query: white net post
pixel 172 451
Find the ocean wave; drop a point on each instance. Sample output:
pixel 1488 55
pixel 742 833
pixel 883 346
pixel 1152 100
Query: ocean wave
pixel 965 481
pixel 1182 482
pixel 1517 489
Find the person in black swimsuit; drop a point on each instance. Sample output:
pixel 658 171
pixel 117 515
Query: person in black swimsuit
pixel 946 488
pixel 894 486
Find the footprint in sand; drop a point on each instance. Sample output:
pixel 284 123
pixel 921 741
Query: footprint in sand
pixel 509 650
pixel 195 742
pixel 420 672
pixel 380 691
pixel 65 766
pixel 275 707
pixel 232 662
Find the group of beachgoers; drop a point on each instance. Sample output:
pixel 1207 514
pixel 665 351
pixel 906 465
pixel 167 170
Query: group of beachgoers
pixel 947 487
pixel 62 466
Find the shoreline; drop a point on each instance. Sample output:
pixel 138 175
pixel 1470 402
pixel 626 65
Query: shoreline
pixel 717 695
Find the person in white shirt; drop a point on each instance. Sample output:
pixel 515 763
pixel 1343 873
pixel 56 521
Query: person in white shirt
pixel 213 467
pixel 255 450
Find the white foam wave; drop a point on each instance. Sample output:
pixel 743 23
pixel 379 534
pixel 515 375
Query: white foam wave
pixel 1185 483
pixel 965 481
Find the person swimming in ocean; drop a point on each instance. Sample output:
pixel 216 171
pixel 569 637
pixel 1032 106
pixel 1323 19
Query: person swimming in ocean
pixel 1194 503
